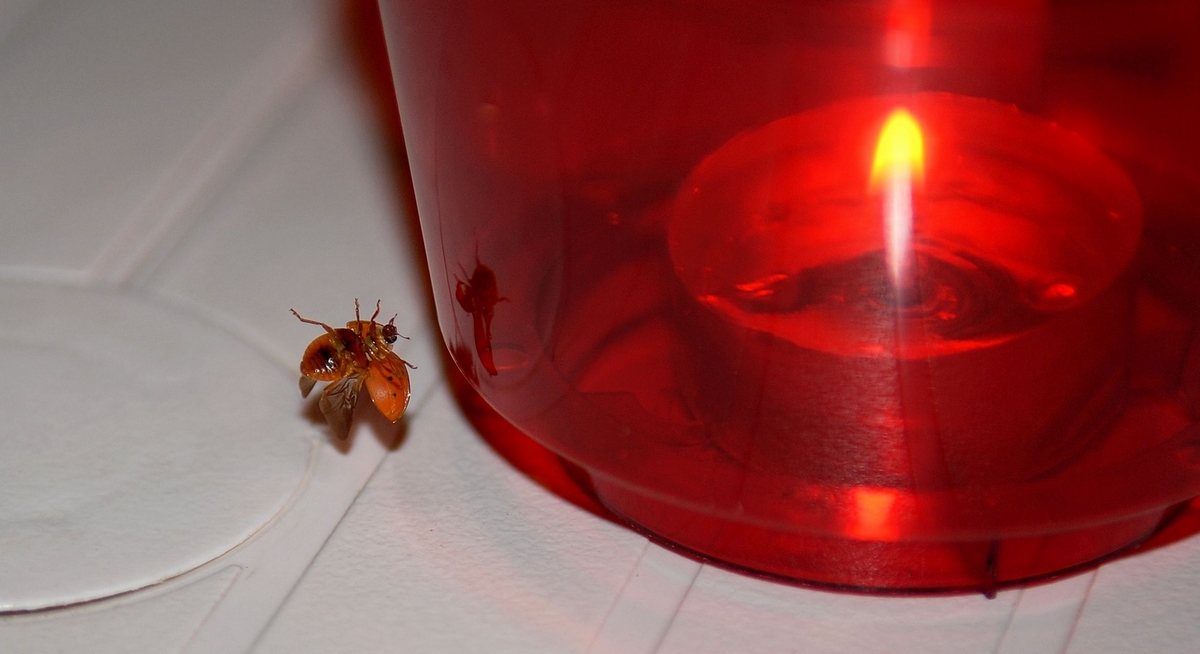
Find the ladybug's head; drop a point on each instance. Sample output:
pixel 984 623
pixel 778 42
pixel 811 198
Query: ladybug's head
pixel 389 332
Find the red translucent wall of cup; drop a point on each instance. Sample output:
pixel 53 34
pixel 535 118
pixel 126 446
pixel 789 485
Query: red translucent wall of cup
pixel 550 142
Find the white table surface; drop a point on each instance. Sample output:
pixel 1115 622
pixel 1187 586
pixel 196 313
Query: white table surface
pixel 173 178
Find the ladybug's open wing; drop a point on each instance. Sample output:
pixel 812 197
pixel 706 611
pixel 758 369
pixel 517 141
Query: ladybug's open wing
pixel 306 385
pixel 387 382
pixel 337 404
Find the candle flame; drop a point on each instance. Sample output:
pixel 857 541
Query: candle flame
pixel 899 159
pixel 901 148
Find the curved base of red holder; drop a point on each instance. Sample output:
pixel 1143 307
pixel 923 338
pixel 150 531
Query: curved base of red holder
pixel 867 565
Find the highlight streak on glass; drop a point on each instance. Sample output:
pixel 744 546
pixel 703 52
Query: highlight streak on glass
pixel 899 160
pixel 906 41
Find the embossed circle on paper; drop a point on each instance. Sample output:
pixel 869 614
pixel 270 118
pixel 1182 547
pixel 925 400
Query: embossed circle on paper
pixel 136 443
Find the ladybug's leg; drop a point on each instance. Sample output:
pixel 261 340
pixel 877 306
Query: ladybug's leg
pixel 376 314
pixel 312 322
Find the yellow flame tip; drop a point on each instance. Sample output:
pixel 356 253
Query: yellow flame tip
pixel 901 148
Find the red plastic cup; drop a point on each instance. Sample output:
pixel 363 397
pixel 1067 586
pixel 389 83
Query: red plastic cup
pixel 887 295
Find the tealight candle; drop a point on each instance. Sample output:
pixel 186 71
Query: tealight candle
pixel 935 300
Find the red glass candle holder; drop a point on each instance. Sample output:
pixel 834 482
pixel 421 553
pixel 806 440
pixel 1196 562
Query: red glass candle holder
pixel 900 294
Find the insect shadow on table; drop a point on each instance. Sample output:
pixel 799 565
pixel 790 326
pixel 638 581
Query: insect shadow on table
pixel 478 295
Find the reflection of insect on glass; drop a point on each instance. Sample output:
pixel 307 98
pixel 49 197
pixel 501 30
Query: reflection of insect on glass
pixel 359 354
pixel 478 296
